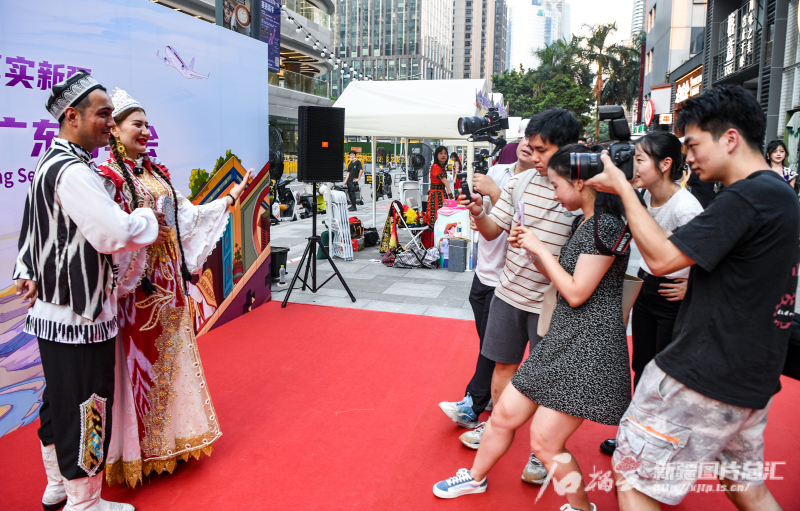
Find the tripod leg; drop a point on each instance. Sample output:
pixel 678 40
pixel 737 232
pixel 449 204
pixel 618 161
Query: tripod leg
pixel 311 255
pixel 294 279
pixel 336 271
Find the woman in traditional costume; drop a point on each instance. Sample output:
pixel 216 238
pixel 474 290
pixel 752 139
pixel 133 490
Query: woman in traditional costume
pixel 440 186
pixel 162 410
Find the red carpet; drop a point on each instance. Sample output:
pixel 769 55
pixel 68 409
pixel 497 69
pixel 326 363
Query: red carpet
pixel 328 408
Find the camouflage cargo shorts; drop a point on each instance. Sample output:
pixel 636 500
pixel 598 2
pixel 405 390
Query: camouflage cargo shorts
pixel 671 436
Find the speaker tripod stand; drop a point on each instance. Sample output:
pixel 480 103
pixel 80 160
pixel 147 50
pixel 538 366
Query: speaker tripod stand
pixel 310 259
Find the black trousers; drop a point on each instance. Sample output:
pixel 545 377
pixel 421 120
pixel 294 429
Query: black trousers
pixel 351 193
pixel 76 404
pixel 652 323
pixel 480 386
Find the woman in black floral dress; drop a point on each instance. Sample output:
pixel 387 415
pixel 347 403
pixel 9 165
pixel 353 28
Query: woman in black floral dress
pixel 580 369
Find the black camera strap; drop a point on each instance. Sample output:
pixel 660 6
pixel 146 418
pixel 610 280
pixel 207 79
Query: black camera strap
pixel 624 240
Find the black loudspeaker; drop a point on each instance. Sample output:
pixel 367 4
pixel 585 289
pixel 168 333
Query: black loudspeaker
pixel 320 147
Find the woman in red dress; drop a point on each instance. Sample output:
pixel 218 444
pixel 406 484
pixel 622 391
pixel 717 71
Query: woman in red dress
pixel 440 186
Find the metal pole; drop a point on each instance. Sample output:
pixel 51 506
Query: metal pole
pixel 467 162
pixel 374 163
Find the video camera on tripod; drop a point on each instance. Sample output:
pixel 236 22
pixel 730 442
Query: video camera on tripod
pixel 482 129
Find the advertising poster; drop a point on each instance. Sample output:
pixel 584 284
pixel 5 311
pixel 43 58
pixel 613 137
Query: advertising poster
pixel 271 31
pixel 237 15
pixel 204 91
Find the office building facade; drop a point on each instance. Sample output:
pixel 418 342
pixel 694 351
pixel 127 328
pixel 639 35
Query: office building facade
pixel 637 18
pixel 675 31
pixel 532 25
pixel 392 40
pixel 479 38
pixel 747 45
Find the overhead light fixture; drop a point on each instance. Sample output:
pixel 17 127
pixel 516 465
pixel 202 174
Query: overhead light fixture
pixel 298 30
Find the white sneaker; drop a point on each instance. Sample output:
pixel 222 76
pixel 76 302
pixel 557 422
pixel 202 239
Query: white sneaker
pixel 534 472
pixel 460 484
pixel 472 439
pixel 461 412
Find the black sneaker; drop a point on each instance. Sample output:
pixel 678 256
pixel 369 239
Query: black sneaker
pixel 609 446
pixel 352 208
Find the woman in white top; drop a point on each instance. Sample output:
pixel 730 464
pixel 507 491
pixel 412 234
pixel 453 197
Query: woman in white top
pixel 658 163
pixel 776 157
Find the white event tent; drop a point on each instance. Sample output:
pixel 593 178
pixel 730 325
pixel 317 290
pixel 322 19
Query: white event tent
pixel 409 109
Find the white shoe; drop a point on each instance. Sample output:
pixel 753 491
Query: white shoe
pixel 55 495
pixel 472 439
pixel 567 507
pixel 534 472
pixel 84 495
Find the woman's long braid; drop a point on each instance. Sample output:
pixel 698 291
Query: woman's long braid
pixel 185 273
pixel 147 286
pixel 125 172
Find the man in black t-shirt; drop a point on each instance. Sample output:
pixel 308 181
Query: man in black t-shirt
pixel 354 172
pixel 701 405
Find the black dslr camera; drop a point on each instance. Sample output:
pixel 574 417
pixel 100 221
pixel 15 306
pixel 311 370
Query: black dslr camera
pixel 482 129
pixel 587 165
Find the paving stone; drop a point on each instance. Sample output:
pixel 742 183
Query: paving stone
pixel 412 289
pixel 333 301
pixel 364 295
pixel 434 302
pixel 430 274
pixel 465 276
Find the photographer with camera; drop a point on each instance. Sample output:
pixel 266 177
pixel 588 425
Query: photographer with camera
pixel 704 399
pixel 658 166
pixel 514 309
pixel 580 368
pixel 491 259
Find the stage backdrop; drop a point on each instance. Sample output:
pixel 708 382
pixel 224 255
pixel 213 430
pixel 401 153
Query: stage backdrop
pixel 205 92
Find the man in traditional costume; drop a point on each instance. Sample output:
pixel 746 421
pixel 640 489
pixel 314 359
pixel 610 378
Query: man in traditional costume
pixel 70 227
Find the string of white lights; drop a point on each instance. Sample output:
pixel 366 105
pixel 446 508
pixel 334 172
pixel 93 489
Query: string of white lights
pixel 324 51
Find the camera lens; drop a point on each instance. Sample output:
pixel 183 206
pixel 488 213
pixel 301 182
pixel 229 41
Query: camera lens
pixel 468 125
pixel 584 165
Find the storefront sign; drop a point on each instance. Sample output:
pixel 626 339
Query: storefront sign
pixel 688 86
pixel 649 112
pixel 739 41
pixel 665 119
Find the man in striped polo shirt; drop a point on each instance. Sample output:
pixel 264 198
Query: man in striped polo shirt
pixel 514 311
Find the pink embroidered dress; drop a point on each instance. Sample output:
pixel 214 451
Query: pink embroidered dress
pixel 162 409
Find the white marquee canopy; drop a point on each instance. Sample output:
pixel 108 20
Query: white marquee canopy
pixel 409 108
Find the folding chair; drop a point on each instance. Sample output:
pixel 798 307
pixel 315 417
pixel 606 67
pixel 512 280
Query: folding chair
pixel 415 232
pixel 410 190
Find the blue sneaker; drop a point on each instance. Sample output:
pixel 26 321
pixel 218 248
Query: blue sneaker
pixel 461 484
pixel 461 413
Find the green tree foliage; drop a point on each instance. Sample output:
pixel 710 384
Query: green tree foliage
pixel 575 74
pixel 222 159
pixel 565 93
pixel 518 90
pixel 197 179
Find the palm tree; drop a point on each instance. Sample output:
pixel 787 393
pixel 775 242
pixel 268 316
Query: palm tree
pixel 622 86
pixel 597 52
pixel 562 58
